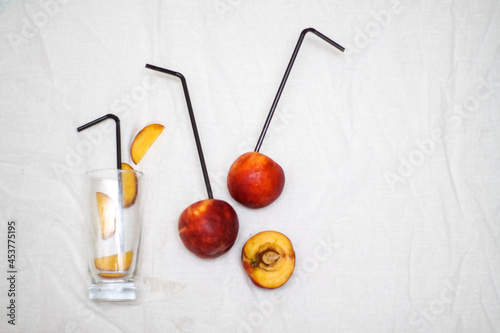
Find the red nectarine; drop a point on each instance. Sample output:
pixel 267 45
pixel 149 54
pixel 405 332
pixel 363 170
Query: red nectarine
pixel 208 228
pixel 255 180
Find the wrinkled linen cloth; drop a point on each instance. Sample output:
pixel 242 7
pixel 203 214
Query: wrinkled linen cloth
pixel 391 152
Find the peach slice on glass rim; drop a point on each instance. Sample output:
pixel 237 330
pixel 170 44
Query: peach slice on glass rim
pixel 129 185
pixel 107 215
pixel 268 259
pixel 143 141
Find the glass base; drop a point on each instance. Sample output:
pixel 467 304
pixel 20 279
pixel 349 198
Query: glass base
pixel 117 291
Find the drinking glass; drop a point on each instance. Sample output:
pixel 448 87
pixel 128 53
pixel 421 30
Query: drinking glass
pixel 113 232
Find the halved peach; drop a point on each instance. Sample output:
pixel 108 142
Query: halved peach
pixel 114 263
pixel 143 141
pixel 129 184
pixel 268 259
pixel 107 215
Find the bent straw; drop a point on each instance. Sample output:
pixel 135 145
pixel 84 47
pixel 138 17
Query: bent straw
pixel 285 78
pixel 193 123
pixel 119 225
pixel 118 140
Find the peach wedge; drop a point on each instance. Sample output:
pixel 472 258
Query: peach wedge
pixel 107 215
pixel 268 259
pixel 114 263
pixel 143 141
pixel 129 184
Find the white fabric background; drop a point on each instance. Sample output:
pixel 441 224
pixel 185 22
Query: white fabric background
pixel 391 154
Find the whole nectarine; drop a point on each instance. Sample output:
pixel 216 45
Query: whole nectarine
pixel 255 180
pixel 208 228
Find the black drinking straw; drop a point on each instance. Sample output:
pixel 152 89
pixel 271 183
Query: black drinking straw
pixel 285 78
pixel 193 123
pixel 118 140
pixel 121 239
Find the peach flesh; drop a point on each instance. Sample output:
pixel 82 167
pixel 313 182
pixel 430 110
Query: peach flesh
pixel 107 215
pixel 268 259
pixel 129 183
pixel 115 263
pixel 144 140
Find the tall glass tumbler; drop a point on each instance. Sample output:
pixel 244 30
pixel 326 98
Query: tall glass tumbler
pixel 113 232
